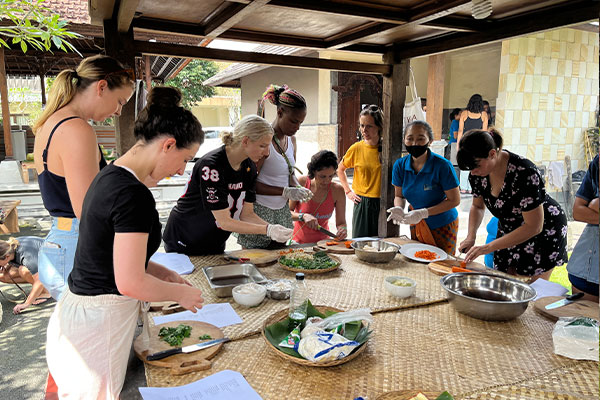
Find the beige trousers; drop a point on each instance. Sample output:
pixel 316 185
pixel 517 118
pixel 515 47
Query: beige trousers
pixel 88 344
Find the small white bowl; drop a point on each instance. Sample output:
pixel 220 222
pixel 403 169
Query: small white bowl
pixel 400 291
pixel 249 294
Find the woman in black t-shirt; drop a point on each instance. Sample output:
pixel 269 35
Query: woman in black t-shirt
pixel 220 195
pixel 91 330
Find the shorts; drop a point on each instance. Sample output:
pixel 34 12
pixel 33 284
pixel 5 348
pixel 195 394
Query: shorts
pixel 282 216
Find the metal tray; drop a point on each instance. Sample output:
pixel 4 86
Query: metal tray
pixel 223 278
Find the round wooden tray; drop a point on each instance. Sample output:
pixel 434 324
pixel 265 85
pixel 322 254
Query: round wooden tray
pixel 337 249
pixel 278 316
pixel 313 271
pixel 258 257
pixel 407 394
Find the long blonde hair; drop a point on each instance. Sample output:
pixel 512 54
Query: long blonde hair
pixel 8 247
pixel 89 70
pixel 251 126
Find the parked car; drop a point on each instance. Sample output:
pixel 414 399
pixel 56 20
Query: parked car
pixel 212 139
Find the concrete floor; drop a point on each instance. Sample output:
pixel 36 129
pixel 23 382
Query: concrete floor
pixel 22 337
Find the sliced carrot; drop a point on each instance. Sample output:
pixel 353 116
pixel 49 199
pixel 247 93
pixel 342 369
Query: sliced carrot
pixel 463 264
pixel 459 269
pixel 348 244
pixel 426 255
pixel 332 243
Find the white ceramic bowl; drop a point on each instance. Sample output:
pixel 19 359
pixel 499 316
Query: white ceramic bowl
pixel 249 294
pixel 400 291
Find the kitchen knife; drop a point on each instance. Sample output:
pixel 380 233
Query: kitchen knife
pixel 565 301
pixel 187 349
pixel 238 259
pixel 325 231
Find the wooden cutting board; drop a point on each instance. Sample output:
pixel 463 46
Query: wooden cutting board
pixel 339 248
pixel 407 395
pixel 258 257
pixel 444 267
pixel 180 364
pixel 579 308
pixel 167 307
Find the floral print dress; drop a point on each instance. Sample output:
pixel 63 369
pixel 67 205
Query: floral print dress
pixel 523 190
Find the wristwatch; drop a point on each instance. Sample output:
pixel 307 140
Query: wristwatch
pixel 301 217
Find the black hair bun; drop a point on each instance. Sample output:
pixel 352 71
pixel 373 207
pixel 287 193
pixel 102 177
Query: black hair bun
pixel 164 96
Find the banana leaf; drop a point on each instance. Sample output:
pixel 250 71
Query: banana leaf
pixel 278 331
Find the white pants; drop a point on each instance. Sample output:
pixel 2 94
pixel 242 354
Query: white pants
pixel 453 151
pixel 88 344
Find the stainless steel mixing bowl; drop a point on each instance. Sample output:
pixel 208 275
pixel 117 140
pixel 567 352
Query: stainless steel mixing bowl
pixel 389 251
pixel 486 296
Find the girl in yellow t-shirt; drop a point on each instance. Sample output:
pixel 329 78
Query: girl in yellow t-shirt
pixel 365 158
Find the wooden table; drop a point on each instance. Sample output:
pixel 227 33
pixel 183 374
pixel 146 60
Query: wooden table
pixel 9 219
pixel 418 343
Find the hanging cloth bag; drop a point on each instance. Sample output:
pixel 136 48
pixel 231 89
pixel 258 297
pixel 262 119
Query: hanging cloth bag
pixel 413 110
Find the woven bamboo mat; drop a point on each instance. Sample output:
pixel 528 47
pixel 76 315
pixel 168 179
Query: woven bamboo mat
pixel 428 348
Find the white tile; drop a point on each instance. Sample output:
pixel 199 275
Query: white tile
pixel 521 65
pixel 585 119
pixel 571 120
pixel 535 101
pixel 537 67
pixel 530 138
pixel 550 101
pixel 560 81
pixel 541 119
pixel 511 82
pixel 553 151
pixel 553 66
pixel 588 87
pixel 556 119
pixel 518 102
pixel 508 118
pixel 574 83
pixel 538 154
pixel 569 151
pixel 568 67
pixel 528 83
pixel 562 136
pixel 580 102
pixel 582 68
pixel 525 116
pixel 516 136
pixel 547 136
pixel 593 103
pixel 504 64
pixel 544 84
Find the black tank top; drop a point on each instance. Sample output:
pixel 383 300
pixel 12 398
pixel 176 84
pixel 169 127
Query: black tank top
pixel 472 123
pixel 54 187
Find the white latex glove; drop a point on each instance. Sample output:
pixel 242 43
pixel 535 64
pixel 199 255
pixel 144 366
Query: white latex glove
pixel 297 193
pixel 396 214
pixel 279 233
pixel 415 216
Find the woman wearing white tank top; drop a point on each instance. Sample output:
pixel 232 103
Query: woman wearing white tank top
pixel 276 183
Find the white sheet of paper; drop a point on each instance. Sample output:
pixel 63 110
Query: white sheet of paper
pixel 546 288
pixel 217 314
pixel 224 385
pixel 360 239
pixel 179 263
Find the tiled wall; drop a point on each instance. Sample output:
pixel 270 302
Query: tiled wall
pixel 548 94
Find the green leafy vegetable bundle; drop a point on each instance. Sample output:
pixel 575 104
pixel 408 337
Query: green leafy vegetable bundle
pixel 300 260
pixel 175 336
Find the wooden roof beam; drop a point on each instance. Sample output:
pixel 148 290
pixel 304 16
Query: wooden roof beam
pixel 100 10
pixel 226 16
pixel 421 14
pixel 276 39
pixel 551 17
pixel 174 50
pixel 125 14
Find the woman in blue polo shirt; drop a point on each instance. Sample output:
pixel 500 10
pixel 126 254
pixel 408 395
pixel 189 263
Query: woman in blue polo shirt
pixel 429 183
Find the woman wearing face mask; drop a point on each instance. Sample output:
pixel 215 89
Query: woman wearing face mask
pixel 276 182
pixel 532 228
pixel 220 196
pixel 365 158
pixel 67 156
pixel 428 181
pixel 327 197
pixel 91 330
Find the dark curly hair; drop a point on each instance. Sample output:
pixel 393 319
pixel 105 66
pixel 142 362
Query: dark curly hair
pixel 164 116
pixel 475 144
pixel 321 160
pixel 475 104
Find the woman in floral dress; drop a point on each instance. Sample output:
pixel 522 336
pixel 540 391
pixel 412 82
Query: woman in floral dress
pixel 532 227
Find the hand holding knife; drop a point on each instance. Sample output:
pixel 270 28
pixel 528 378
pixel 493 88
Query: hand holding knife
pixel 187 349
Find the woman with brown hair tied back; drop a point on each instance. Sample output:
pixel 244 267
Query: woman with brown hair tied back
pixel 532 227
pixel 67 155
pixel 219 197
pixel 276 182
pixel 91 330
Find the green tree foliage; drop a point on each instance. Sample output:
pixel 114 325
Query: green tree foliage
pixel 33 25
pixel 190 79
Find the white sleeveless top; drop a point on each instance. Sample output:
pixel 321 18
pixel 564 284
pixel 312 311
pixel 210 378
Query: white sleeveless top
pixel 274 172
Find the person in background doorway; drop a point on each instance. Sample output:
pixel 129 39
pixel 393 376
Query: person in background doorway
pixel 67 155
pixel 473 117
pixel 428 182
pixel 583 265
pixel 91 330
pixel 327 197
pixel 453 134
pixel 276 182
pixel 532 227
pixel 19 264
pixel 365 158
pixel 488 110
pixel 219 197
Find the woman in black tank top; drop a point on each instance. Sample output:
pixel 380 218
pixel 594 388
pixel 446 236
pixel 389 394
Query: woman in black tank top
pixel 67 157
pixel 473 117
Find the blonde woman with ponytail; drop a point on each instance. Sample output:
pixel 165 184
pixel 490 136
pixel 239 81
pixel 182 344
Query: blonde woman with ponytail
pixel 67 156
pixel 19 264
pixel 220 194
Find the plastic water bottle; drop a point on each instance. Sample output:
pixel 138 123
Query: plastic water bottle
pixel 298 301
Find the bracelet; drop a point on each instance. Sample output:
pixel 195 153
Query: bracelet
pixel 301 217
pixel 348 191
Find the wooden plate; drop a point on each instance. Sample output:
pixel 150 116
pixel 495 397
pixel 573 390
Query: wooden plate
pixel 339 248
pixel 180 363
pixel 166 307
pixel 258 257
pixel 579 308
pixel 281 315
pixel 407 394
pixel 314 271
pixel 444 267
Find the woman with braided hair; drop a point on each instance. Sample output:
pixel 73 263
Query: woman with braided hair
pixel 276 182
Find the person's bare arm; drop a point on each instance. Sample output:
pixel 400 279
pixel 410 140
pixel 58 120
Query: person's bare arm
pixel 461 125
pixel 451 201
pixel 586 212
pixel 339 199
pixel 399 199
pixel 475 217
pixel 341 173
pixel 484 119
pixel 225 222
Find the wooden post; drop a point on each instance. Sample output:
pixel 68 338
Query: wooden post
pixel 435 93
pixel 43 88
pixel 148 72
pixel 394 97
pixel 5 110
pixel 120 46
